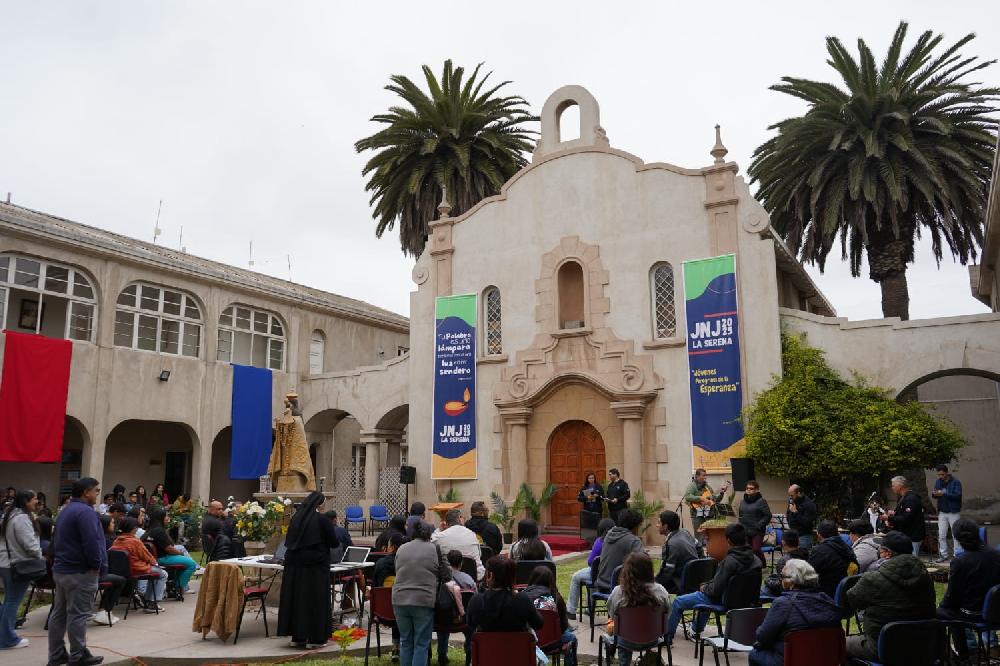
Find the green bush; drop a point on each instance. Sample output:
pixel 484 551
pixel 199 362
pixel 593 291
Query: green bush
pixel 815 428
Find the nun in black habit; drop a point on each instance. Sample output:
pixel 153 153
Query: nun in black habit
pixel 304 612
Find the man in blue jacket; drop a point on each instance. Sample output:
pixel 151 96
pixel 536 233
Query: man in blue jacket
pixel 80 559
pixel 948 491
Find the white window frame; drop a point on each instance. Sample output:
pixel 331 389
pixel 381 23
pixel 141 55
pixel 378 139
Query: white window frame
pixel 655 302
pixel 277 344
pixel 317 352
pixel 358 460
pixel 184 321
pixel 73 277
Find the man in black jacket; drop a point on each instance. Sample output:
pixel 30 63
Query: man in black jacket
pixel 908 516
pixel 740 559
pixel 830 557
pixel 679 549
pixel 617 494
pixel 801 515
pixel 487 531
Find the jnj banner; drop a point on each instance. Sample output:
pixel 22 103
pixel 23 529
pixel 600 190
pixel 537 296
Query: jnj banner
pixel 713 344
pixel 454 388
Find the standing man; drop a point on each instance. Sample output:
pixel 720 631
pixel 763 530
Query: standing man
pixel 80 559
pixel 701 498
pixel 948 491
pixel 617 495
pixel 908 516
pixel 801 515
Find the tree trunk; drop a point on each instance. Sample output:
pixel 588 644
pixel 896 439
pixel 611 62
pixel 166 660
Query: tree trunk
pixel 895 295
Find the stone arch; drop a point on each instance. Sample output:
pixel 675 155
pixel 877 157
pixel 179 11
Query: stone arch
pixel 333 432
pixel 595 277
pixel 168 454
pixel 221 486
pixel 591 132
pixel 575 447
pixel 396 418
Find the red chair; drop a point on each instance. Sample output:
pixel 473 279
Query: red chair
pixel 253 593
pixel 503 648
pixel 550 635
pixel 640 628
pixel 380 614
pixel 815 647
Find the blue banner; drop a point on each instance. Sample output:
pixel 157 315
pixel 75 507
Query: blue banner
pixel 713 343
pixel 454 426
pixel 252 439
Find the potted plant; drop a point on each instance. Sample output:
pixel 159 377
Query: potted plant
pixel 503 516
pixel 646 509
pixel 714 529
pixel 533 505
pixel 255 524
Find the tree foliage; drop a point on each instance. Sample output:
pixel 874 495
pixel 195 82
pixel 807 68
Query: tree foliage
pixel 462 135
pixel 900 147
pixel 813 425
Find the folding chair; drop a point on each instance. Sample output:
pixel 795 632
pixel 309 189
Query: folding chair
pixel 603 597
pixel 840 598
pixel 485 553
pixel 469 567
pixel 771 551
pixel 739 635
pixel 695 573
pixel 256 592
pixel 743 591
pixel 525 567
pixel 174 588
pixel 989 624
pixel 445 626
pixel 47 584
pixel 549 637
pixel 908 643
pixel 380 614
pixel 502 648
pixel 639 629
pixel 816 647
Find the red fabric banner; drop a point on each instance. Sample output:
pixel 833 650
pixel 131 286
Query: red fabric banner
pixel 33 395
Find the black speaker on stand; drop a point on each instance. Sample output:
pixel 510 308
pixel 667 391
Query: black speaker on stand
pixel 407 475
pixel 742 472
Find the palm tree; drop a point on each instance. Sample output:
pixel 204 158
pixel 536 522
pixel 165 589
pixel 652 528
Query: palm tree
pixel 459 136
pixel 898 150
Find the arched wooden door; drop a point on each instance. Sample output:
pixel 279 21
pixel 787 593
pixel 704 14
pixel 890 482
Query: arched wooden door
pixel 575 448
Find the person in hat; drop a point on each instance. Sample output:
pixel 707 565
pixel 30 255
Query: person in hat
pixel 900 589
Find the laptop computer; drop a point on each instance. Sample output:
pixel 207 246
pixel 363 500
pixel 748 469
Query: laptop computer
pixel 279 555
pixel 355 555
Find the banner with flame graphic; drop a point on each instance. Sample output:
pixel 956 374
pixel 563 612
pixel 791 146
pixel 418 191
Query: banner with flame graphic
pixel 454 425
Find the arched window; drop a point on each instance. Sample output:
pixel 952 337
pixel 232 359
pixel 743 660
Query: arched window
pixel 160 319
pixel 571 296
pixel 317 348
pixel 493 320
pixel 251 337
pixel 662 291
pixel 38 296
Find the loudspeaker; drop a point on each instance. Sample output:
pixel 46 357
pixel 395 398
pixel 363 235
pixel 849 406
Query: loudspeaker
pixel 407 475
pixel 742 472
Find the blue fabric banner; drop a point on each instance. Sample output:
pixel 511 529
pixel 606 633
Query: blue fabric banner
pixel 454 427
pixel 251 416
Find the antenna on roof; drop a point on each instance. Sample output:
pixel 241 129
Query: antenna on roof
pixel 8 197
pixel 181 240
pixel 156 226
pixel 250 262
pixel 289 267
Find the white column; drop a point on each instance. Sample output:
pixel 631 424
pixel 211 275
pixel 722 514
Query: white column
pixel 516 419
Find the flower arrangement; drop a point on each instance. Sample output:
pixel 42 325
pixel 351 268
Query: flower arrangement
pixel 344 636
pixel 257 523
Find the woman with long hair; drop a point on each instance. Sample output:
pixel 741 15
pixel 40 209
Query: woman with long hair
pixel 167 552
pixel 636 587
pixel 159 495
pixel 528 546
pixel 544 595
pixel 583 575
pixel 18 541
pixel 497 608
pixel 591 495
pixel 304 612
pixel 140 492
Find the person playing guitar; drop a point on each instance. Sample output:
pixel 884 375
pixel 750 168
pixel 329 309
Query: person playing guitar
pixel 701 498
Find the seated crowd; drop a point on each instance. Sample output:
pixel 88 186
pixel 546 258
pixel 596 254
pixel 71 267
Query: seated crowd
pixel 465 557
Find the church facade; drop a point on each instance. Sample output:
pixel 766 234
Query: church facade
pixel 582 359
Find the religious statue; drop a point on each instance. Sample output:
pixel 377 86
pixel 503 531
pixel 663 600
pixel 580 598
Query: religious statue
pixel 290 467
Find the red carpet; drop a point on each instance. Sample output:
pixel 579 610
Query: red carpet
pixel 562 544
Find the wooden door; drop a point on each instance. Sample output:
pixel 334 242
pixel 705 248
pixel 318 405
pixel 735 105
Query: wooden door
pixel 575 448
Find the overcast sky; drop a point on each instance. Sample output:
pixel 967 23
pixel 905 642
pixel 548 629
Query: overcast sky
pixel 241 116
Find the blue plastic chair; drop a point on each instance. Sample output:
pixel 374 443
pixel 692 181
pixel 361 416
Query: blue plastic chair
pixel 840 598
pixel 846 538
pixel 603 597
pixel 743 591
pixel 354 514
pixel 378 516
pixel 776 548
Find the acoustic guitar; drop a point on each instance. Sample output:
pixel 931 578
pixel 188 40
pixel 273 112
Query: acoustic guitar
pixel 707 499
